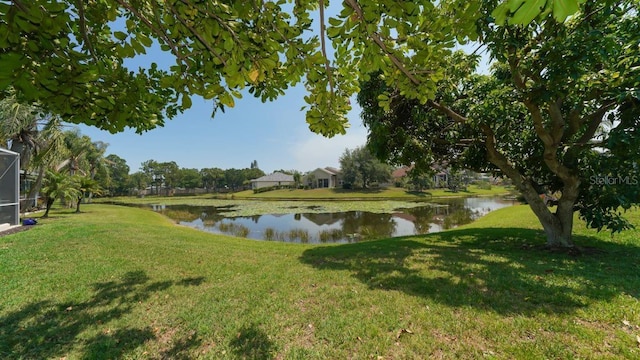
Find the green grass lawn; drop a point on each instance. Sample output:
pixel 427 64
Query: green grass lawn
pixel 381 193
pixel 392 193
pixel 120 282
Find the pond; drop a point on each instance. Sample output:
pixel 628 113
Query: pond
pixel 311 225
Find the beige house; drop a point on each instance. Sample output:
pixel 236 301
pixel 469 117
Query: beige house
pixel 275 179
pixel 323 178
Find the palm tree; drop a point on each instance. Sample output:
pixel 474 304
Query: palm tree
pixel 19 129
pixel 77 146
pixel 58 185
pixel 96 161
pixel 32 134
pixel 95 157
pixel 84 185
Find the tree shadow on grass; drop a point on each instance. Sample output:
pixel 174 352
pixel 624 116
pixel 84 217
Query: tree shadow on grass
pixel 47 329
pixel 493 269
pixel 252 343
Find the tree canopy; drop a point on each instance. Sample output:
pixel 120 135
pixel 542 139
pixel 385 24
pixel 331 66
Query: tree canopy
pixel 553 114
pixel 69 55
pixel 360 169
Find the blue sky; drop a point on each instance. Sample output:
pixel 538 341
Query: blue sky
pixel 274 134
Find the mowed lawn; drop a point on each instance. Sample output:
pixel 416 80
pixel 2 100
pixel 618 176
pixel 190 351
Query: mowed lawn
pixel 376 193
pixel 120 282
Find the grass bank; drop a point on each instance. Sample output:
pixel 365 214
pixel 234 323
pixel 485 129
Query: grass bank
pixel 368 194
pixel 119 282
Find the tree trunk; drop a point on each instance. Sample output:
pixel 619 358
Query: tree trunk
pixel 49 203
pixel 559 234
pixel 557 226
pixel 34 190
pixel 78 204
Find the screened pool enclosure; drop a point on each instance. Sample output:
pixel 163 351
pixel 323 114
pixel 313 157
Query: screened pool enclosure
pixel 9 187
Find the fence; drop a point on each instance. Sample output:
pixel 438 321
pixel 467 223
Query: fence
pixel 9 187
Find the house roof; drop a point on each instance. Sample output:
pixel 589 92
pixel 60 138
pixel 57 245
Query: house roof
pixel 401 172
pixel 332 170
pixel 328 170
pixel 276 176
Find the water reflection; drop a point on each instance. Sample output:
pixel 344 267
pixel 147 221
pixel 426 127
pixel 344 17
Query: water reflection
pixel 342 227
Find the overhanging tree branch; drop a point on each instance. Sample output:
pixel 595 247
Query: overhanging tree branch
pixel 84 31
pixel 557 121
pixel 449 112
pixel 594 120
pixel 324 47
pixel 204 42
pixel 161 34
pixel 378 41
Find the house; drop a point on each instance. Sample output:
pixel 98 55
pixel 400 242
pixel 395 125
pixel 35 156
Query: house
pixel 440 175
pixel 275 179
pixel 327 177
pixel 441 179
pixel 399 175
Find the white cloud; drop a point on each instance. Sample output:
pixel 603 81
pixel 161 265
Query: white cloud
pixel 317 151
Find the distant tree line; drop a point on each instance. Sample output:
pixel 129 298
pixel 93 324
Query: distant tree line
pixel 155 175
pixel 67 165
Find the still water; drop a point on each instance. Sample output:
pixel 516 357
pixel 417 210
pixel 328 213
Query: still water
pixel 336 227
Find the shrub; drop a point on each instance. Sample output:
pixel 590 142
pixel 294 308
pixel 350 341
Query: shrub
pixel 483 184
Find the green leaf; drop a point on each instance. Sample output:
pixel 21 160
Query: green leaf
pixel 228 43
pixel 529 10
pixel 335 22
pixel 562 9
pixel 137 46
pixel 24 25
pixel 226 99
pixel 131 25
pixel 333 32
pixel 8 64
pixel 514 5
pixel 4 83
pixel 144 40
pixel 186 102
pixel 120 35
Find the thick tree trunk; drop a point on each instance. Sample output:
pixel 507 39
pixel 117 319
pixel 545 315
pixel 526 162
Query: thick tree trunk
pixel 557 226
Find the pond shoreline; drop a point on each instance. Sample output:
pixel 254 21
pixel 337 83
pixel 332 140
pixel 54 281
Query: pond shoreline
pixel 416 199
pixel 243 196
pixel 327 221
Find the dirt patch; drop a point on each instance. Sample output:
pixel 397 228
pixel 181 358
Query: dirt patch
pixel 16 229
